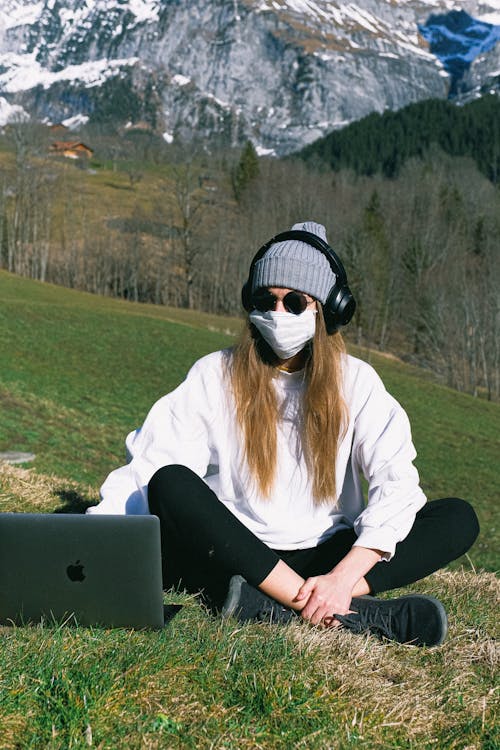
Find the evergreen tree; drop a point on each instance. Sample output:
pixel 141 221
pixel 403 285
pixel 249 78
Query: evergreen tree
pixel 383 143
pixel 246 170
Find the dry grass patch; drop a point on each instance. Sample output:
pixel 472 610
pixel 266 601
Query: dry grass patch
pixel 421 691
pixel 25 490
pixel 13 726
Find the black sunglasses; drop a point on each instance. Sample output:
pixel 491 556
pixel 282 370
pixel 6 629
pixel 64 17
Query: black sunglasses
pixel 294 302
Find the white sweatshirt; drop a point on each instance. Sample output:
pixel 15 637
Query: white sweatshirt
pixel 195 425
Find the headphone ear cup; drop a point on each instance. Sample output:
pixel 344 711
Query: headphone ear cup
pixel 329 318
pixel 338 308
pixel 246 293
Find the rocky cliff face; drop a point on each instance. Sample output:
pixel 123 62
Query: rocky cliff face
pixel 280 72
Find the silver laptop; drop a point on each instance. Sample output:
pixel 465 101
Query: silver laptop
pixel 85 569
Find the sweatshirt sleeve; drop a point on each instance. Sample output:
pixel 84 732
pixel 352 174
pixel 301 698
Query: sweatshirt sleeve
pixel 384 450
pixel 176 430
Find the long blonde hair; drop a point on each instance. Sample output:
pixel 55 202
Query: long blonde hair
pixel 324 412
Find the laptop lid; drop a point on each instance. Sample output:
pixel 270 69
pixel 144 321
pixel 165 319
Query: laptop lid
pixel 93 569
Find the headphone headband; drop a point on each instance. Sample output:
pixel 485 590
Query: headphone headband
pixel 310 239
pixel 340 305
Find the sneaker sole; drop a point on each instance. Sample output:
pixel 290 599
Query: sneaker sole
pixel 442 615
pixel 441 611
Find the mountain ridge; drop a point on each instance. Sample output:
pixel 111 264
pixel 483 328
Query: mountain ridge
pixel 281 73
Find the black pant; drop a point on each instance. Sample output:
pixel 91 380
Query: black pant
pixel 204 544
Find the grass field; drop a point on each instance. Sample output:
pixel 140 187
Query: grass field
pixel 76 374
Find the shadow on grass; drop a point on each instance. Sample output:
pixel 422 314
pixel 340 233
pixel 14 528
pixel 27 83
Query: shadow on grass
pixel 118 187
pixel 73 502
pixel 170 611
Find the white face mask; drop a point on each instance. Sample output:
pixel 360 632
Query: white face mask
pixel 285 332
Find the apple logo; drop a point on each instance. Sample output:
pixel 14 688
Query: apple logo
pixel 75 572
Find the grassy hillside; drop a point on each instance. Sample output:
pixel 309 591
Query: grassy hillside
pixel 76 373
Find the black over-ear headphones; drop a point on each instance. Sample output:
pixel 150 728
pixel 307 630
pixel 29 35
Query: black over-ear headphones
pixel 340 304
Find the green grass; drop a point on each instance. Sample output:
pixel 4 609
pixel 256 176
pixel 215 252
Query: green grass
pixel 204 682
pixel 76 373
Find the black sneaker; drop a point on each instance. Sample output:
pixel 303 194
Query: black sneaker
pixel 416 619
pixel 248 604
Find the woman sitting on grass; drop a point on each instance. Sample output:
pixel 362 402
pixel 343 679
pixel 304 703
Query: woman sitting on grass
pixel 253 466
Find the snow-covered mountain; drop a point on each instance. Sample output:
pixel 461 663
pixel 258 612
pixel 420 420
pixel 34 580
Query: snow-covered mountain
pixel 457 40
pixel 281 72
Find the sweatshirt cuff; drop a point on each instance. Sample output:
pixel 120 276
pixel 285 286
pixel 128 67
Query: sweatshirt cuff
pixel 381 539
pixel 96 509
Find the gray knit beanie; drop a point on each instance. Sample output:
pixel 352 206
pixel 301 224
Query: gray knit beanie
pixel 293 264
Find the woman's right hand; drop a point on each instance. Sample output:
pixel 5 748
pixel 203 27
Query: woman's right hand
pixel 325 596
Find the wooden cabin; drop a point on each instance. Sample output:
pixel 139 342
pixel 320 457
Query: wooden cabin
pixel 71 149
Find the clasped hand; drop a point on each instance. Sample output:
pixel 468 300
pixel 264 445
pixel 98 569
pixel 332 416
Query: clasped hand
pixel 325 596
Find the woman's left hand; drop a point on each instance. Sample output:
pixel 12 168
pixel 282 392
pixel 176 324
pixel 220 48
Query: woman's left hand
pixel 326 595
